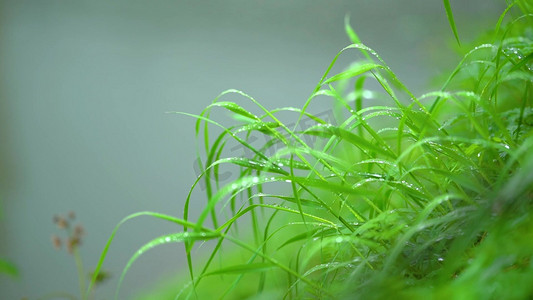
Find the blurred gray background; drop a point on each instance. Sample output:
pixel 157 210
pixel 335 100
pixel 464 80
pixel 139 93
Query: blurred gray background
pixel 84 87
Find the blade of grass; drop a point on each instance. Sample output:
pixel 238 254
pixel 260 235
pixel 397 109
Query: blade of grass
pixel 449 15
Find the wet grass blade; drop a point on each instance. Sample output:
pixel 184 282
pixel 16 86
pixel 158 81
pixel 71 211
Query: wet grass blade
pixel 180 237
pixel 112 236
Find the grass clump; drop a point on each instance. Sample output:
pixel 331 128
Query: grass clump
pixel 427 196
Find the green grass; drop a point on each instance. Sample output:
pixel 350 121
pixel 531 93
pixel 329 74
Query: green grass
pixel 7 268
pixel 427 196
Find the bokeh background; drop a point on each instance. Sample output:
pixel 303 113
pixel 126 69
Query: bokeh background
pixel 84 87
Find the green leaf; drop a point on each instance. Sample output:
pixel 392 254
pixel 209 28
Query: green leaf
pixel 8 268
pixel 360 142
pixel 110 240
pixel 353 71
pixel 244 268
pixel 303 202
pixel 350 32
pixel 234 107
pixel 449 14
pixel 180 237
pixel 522 63
pixel 299 237
pixel 253 164
pixel 353 36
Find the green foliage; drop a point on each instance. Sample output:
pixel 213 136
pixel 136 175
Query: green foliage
pixel 7 267
pixel 427 196
pixel 451 20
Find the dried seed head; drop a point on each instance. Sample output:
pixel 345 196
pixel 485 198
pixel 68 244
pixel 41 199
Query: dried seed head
pixel 102 276
pixel 61 222
pixel 72 242
pixel 56 241
pixel 79 231
pixel 71 215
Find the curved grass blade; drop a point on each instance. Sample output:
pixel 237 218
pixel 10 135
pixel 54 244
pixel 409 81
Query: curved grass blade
pixel 112 236
pixel 273 207
pixel 353 71
pixel 180 237
pixel 304 202
pixel 354 38
pixel 359 142
pixel 234 107
pixel 449 15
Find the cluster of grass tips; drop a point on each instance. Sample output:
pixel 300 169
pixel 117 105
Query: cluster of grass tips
pixel 423 196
